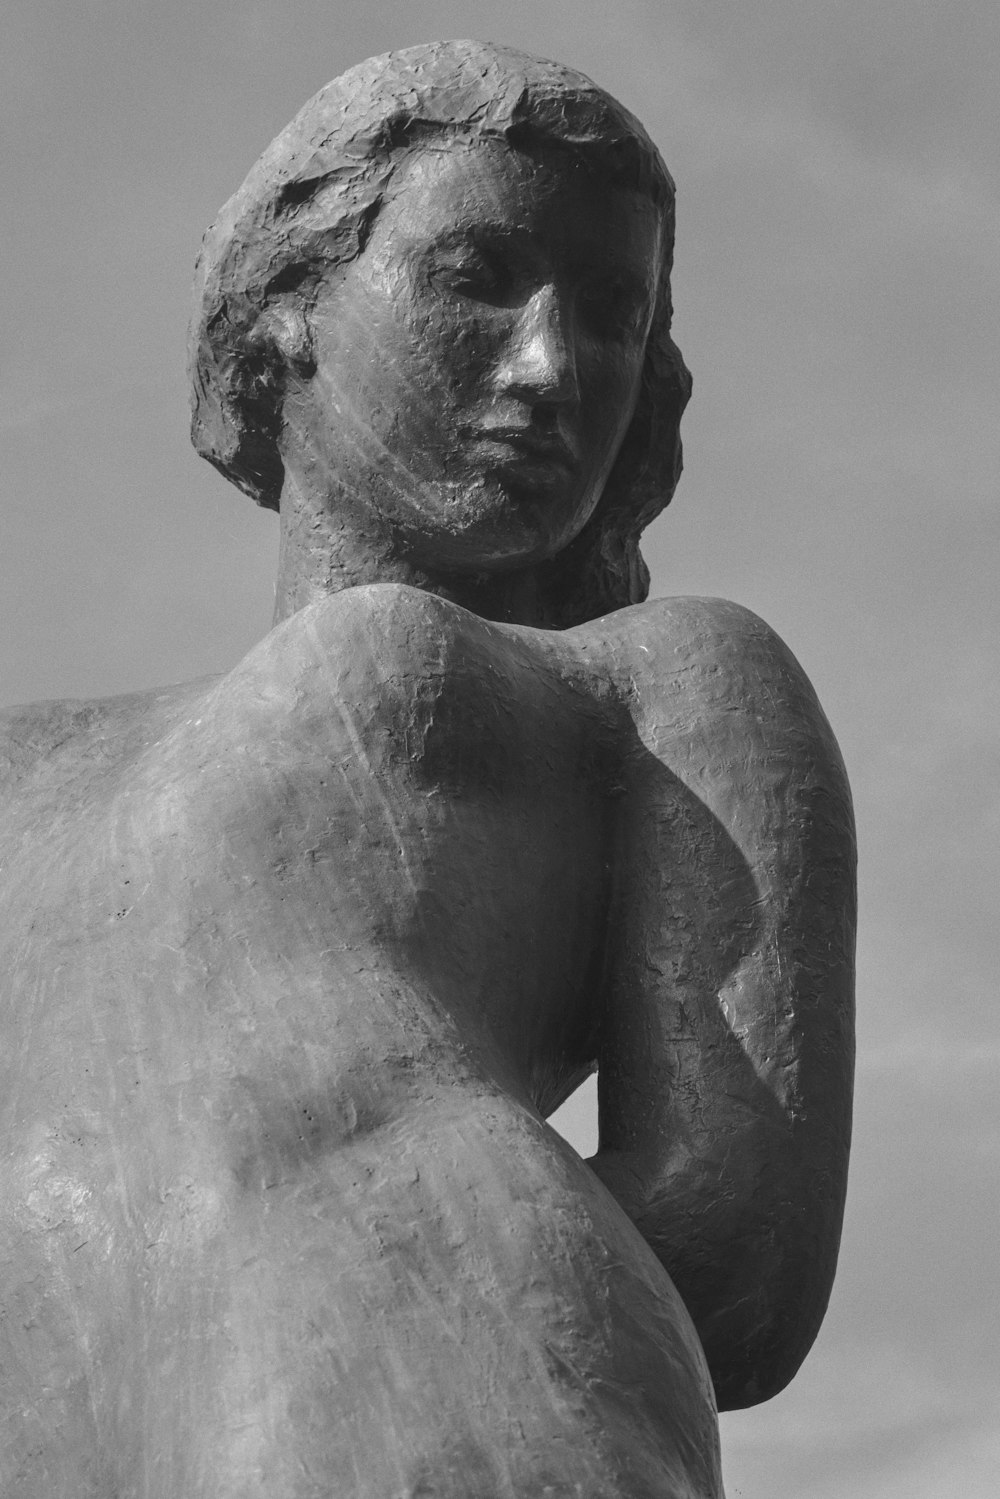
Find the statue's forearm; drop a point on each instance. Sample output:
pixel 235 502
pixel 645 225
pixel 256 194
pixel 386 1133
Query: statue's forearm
pixel 735 1174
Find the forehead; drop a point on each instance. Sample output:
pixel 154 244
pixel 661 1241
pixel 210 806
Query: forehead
pixel 551 198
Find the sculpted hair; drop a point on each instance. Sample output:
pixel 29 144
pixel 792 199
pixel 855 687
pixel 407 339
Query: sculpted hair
pixel 308 205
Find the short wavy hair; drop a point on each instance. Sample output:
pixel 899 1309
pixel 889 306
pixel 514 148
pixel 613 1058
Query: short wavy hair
pixel 308 205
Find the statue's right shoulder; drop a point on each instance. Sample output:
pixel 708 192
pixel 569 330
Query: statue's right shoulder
pixel 32 733
pixel 371 642
pixel 26 730
pixel 383 615
pixel 47 743
pixel 356 641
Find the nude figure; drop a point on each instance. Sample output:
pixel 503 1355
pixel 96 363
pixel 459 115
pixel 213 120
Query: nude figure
pixel 295 962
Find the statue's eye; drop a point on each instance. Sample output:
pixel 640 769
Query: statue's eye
pixel 474 274
pixel 612 308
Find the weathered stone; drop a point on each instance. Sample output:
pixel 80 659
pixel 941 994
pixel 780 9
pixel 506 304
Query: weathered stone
pixel 296 961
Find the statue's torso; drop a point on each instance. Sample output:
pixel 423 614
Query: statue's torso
pixel 295 958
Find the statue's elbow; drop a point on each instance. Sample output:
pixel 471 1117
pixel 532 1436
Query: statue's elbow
pixel 748 1373
pixel 755 1347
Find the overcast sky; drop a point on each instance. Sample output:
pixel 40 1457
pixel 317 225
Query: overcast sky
pixel 837 300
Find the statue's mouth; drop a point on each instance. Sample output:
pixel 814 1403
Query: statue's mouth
pixel 543 448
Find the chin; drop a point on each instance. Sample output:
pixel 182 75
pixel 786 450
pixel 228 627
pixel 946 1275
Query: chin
pixel 500 554
pixel 526 529
pixel 492 527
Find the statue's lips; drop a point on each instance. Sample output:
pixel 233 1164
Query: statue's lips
pixel 527 444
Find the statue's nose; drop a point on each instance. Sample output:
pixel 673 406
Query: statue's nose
pixel 540 362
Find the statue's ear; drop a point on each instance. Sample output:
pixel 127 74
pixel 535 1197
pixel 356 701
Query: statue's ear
pixel 283 330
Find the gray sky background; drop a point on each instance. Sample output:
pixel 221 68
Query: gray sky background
pixel 837 299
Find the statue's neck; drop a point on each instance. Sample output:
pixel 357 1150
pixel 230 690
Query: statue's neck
pixel 326 548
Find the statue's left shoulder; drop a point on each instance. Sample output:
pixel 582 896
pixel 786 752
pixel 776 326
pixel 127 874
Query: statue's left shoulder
pixel 692 660
pixel 676 632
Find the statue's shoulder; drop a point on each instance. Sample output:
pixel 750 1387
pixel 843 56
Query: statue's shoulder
pixel 46 745
pixel 33 735
pixel 690 629
pixel 380 615
pixel 358 633
pixel 709 665
pixel 665 639
pixel 366 640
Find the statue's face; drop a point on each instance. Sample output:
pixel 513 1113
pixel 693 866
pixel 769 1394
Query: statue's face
pixel 477 367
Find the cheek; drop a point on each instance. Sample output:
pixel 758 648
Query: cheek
pixel 609 385
pixel 453 357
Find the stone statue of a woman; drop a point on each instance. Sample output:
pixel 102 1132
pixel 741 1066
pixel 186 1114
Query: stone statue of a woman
pixel 295 962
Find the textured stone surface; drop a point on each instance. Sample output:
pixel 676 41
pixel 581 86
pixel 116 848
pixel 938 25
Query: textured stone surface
pixel 296 961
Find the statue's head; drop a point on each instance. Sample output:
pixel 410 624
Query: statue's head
pixel 442 298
